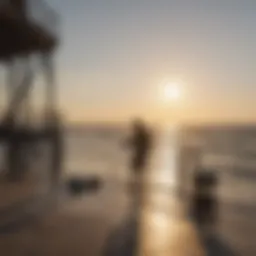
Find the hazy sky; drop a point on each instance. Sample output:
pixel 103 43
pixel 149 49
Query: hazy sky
pixel 115 53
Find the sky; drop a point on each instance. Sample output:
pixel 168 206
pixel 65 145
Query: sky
pixel 115 55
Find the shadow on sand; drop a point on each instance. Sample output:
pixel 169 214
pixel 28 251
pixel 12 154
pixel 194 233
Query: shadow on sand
pixel 214 246
pixel 123 240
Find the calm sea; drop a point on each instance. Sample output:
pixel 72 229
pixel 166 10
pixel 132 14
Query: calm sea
pixel 101 151
pixel 97 151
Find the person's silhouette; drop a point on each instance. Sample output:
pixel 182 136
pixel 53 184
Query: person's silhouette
pixel 140 144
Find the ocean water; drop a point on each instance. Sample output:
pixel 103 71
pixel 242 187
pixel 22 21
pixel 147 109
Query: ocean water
pixel 96 151
pixel 231 153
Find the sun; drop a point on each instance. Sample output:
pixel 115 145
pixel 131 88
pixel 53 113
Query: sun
pixel 171 91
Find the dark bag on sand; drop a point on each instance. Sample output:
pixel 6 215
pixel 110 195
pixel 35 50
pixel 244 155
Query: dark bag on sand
pixel 79 185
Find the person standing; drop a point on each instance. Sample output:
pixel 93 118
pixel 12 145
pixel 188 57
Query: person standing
pixel 140 145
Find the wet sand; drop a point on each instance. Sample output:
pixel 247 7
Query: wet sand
pixel 102 223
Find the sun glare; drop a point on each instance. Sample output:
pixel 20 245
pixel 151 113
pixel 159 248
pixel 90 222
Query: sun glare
pixel 171 91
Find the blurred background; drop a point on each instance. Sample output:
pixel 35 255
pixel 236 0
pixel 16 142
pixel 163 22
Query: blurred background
pixel 75 75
